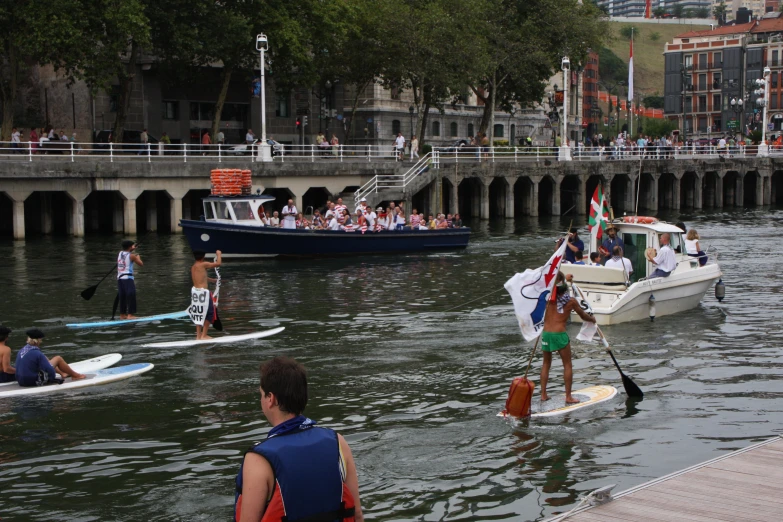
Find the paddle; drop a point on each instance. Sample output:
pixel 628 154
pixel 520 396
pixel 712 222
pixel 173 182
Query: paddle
pixel 630 387
pixel 115 305
pixel 87 293
pixel 217 324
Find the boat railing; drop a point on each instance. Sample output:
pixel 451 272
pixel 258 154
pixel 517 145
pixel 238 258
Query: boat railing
pixel 399 181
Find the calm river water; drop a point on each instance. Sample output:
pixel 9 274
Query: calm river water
pixel 414 390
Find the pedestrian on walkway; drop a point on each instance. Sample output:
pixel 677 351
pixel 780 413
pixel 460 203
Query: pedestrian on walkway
pixel 414 147
pixel 206 141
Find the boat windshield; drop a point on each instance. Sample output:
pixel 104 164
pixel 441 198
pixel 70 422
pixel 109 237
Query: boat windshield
pixel 677 243
pixel 208 213
pixel 242 211
pixel 635 245
pixel 221 210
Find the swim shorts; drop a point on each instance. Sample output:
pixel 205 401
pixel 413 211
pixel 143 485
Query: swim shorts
pixel 554 341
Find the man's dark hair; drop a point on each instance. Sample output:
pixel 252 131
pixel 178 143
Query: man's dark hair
pixel 579 254
pixel 4 333
pixel 595 256
pixel 127 244
pixel 574 230
pixel 199 254
pixel 287 379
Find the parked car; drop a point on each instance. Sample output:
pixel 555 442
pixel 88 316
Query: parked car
pixel 245 149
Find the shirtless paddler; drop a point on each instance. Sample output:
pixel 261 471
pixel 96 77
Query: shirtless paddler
pixel 554 338
pixel 198 272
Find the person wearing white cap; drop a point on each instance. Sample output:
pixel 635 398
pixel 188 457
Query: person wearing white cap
pixel 361 206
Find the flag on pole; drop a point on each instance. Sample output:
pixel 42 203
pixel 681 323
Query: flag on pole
pixel 588 330
pixel 599 214
pixel 630 71
pixel 530 292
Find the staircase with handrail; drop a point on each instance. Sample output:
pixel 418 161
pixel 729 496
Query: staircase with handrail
pixel 398 186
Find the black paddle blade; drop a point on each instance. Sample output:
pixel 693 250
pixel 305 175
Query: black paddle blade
pixel 631 389
pixel 217 323
pixel 87 293
pixel 115 305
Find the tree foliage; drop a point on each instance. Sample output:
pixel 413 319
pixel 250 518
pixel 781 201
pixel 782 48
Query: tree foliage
pixel 628 31
pixel 611 69
pixel 653 102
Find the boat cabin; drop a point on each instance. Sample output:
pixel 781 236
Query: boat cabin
pixel 637 237
pixel 242 210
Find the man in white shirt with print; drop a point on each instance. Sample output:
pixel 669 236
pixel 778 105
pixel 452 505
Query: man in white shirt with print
pixel 289 215
pixel 618 261
pixel 665 261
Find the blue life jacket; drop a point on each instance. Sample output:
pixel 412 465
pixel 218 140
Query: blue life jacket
pixel 33 368
pixel 309 472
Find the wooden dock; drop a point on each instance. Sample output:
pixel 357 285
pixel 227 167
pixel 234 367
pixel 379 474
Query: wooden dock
pixel 746 485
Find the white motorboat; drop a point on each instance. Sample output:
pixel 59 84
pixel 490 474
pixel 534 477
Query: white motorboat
pixel 618 297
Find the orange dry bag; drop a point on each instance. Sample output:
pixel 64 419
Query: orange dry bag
pixel 519 396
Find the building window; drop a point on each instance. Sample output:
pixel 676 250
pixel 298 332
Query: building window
pixel 716 102
pixel 716 124
pixel 453 129
pixel 436 128
pixel 170 110
pixel 774 58
pixel 717 60
pixel 395 92
pixel 395 127
pixel 702 61
pixel 688 61
pixel 702 103
pixel 498 132
pixel 773 101
pixel 202 111
pixel 283 109
pixel 702 124
pixel 470 130
pixel 702 82
pixel 716 78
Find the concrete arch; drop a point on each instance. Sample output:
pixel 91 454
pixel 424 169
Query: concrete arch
pixel 570 194
pixel 48 213
pixel 499 194
pixel 648 192
pixel 469 197
pixel 621 194
pixel 546 196
pixel 524 202
pixel 153 210
pixel 668 191
pixel 315 197
pixel 711 190
pixel 732 189
pixel 690 190
pixel 6 216
pixel 103 212
pixel 752 183
pixel 776 188
pixel 192 206
pixel 281 195
pixel 449 197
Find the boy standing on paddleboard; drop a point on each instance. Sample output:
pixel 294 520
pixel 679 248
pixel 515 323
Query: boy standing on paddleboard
pixel 554 337
pixel 202 309
pixel 126 287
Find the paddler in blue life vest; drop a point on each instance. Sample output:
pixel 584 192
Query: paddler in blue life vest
pixel 300 471
pixel 34 369
pixel 198 273
pixel 7 372
pixel 554 338
pixel 126 286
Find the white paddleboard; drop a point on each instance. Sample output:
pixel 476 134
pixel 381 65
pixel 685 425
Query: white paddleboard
pixel 226 339
pixel 556 404
pixel 105 376
pixel 89 365
pixel 120 322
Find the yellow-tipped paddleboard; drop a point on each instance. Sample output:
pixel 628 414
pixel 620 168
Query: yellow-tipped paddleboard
pixel 556 404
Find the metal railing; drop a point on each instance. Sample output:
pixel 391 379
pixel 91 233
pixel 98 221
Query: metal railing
pixel 399 181
pixel 186 152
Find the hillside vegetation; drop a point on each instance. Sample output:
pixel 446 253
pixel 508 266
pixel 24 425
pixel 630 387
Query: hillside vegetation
pixel 648 54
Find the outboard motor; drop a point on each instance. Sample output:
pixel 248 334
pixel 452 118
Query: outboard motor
pixel 651 302
pixel 720 290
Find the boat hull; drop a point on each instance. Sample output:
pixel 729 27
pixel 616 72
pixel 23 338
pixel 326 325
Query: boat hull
pixel 673 294
pixel 249 241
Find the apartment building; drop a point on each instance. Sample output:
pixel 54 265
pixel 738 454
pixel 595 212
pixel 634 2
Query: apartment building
pixel 707 73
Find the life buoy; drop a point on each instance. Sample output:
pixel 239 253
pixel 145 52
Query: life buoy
pixel 647 220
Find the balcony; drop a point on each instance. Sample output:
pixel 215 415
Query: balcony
pixel 702 107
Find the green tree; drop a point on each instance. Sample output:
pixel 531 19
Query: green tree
pixel 658 12
pixel 654 37
pixel 656 127
pixel 678 10
pixel 33 33
pixel 611 68
pixel 701 12
pixel 719 12
pixel 653 102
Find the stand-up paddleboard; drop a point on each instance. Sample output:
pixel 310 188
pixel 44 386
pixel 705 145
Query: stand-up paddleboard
pixel 226 339
pixel 89 365
pixel 556 404
pixel 147 319
pixel 105 376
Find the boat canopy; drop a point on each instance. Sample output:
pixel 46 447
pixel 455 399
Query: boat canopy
pixel 235 209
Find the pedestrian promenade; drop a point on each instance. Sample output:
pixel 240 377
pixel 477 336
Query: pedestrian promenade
pixel 746 485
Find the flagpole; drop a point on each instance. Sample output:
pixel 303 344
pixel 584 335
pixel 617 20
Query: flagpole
pixel 630 84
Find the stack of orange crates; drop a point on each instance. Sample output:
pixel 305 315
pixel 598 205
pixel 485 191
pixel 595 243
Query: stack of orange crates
pixel 231 182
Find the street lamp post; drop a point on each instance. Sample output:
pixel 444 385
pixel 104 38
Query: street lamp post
pixel 264 152
pixel 738 106
pixel 565 152
pixel 764 102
